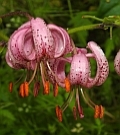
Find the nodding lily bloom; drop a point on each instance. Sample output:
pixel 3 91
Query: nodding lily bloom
pixel 80 74
pixel 33 44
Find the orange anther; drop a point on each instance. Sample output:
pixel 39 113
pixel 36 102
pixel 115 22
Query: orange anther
pixel 47 87
pixel 56 89
pixel 22 94
pixel 67 85
pixel 59 113
pixel 26 88
pixel 10 86
pixel 101 111
pixel 97 111
pixel 57 110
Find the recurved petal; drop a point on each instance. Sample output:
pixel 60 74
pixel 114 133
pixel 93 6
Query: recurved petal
pixel 9 60
pixel 60 39
pixel 68 42
pixel 59 70
pixel 102 65
pixel 117 63
pixel 26 45
pixel 13 44
pixel 79 69
pixel 12 62
pixel 42 38
pixel 25 42
pixel 57 73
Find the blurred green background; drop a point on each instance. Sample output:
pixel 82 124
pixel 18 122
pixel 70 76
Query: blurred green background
pixel 36 116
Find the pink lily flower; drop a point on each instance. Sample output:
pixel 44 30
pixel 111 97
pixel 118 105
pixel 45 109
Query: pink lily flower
pixel 33 44
pixel 80 74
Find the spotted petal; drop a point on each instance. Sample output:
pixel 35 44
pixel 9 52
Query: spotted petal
pixel 43 39
pixel 79 69
pixel 13 44
pixel 102 65
pixel 117 63
pixel 26 45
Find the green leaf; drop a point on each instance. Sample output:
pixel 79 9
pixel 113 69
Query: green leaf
pixel 109 47
pixel 6 114
pixel 109 8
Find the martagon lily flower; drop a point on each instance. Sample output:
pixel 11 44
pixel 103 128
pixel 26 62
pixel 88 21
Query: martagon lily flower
pixel 79 77
pixel 31 46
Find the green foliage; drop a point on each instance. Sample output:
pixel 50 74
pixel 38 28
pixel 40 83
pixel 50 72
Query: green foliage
pixel 36 116
pixel 107 9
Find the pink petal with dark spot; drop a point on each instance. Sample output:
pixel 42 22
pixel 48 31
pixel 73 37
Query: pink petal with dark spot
pixel 79 69
pixel 12 62
pixel 117 63
pixel 102 65
pixel 43 39
pixel 26 45
pixel 13 44
pixel 9 60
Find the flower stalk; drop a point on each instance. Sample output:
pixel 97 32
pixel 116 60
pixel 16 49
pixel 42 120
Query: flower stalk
pixel 87 27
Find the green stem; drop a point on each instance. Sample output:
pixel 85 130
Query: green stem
pixel 93 17
pixel 111 32
pixel 87 27
pixel 70 8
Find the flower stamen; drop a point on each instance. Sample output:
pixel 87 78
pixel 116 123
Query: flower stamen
pixel 55 90
pixel 36 89
pixel 10 86
pixel 46 87
pixel 101 111
pixel 97 111
pixel 59 113
pixel 21 91
pixel 34 73
pixel 67 84
pixel 75 112
pixel 68 100
pixel 26 88
pixel 80 110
